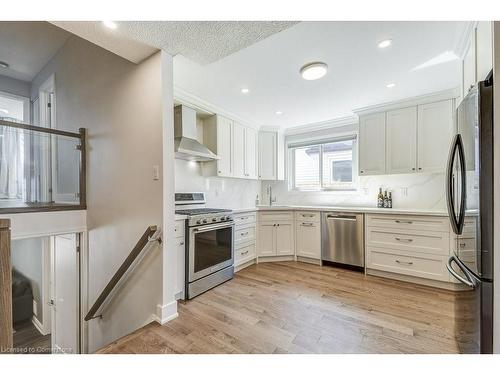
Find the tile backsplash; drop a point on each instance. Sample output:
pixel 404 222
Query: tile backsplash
pixel 412 191
pixel 219 192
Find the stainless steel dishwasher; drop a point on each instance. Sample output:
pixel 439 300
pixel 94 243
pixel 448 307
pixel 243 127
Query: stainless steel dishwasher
pixel 342 238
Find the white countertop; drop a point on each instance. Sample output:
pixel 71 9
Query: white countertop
pixel 395 211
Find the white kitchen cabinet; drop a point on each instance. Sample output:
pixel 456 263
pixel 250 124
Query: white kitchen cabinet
pixel 401 140
pixel 266 239
pixel 484 49
pixel 469 66
pixel 284 238
pixel 218 137
pixel 180 250
pixel 250 153
pixel 372 144
pixel 238 150
pixel 271 156
pixel 435 130
pixel 308 239
pixel 275 235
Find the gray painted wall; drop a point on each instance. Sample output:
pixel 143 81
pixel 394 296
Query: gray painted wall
pixel 27 258
pixel 120 104
pixel 14 86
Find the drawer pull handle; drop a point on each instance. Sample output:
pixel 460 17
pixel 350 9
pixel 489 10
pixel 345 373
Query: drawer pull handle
pixel 404 221
pixel 244 218
pixel 181 243
pixel 401 262
pixel 404 239
pixel 462 244
pixel 243 234
pixel 244 252
pixel 307 215
pixel 307 224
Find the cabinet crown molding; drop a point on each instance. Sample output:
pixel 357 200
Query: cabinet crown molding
pixel 409 102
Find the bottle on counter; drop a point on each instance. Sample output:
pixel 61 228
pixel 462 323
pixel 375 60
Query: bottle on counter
pixel 380 199
pixel 257 201
pixel 389 202
pixel 386 200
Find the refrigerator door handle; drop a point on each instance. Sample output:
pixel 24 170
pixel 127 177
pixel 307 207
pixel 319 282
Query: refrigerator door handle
pixel 450 186
pixel 463 184
pixel 467 280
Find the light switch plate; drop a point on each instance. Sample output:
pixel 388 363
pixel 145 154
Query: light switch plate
pixel 156 172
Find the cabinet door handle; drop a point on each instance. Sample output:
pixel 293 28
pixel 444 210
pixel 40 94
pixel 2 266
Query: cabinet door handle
pixel 404 239
pixel 403 221
pixel 401 262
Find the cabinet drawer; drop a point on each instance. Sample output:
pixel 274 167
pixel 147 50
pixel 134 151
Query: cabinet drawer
pixel 244 234
pixel 275 215
pixel 245 218
pixel 179 228
pixel 424 223
pixel 408 263
pixel 244 254
pixel 409 240
pixel 307 216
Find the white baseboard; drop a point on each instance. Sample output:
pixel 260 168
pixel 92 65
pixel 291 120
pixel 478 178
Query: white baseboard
pixel 39 326
pixel 166 312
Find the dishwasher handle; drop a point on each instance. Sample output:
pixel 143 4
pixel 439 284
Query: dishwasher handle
pixel 341 217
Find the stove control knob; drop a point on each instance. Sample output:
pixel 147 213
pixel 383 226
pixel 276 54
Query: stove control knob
pixel 214 219
pixel 198 221
pixel 205 221
pixel 222 218
pixel 228 217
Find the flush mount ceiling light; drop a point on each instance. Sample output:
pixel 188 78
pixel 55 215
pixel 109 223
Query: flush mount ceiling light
pixel 279 113
pixel 110 24
pixel 384 43
pixel 244 90
pixel 390 85
pixel 313 71
pixel 3 64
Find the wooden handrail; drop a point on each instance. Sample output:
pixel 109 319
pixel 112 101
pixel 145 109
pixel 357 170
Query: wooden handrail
pixel 105 295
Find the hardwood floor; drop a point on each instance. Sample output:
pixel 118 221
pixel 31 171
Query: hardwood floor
pixel 293 307
pixel 28 340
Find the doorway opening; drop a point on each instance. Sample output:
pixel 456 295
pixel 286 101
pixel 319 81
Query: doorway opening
pixel 46 294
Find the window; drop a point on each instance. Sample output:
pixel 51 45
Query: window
pixel 327 165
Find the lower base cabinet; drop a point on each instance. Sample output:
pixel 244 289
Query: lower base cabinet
pixel 244 241
pixel 276 235
pixel 308 235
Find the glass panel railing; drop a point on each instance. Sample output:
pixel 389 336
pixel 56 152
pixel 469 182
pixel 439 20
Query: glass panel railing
pixel 40 169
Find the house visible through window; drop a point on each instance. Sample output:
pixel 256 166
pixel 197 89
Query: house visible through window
pixel 330 165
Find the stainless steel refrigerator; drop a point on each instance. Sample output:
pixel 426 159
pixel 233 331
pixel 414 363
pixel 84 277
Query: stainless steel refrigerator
pixel 469 191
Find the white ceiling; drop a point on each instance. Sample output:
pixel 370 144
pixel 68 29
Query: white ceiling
pixel 200 41
pixel 358 70
pixel 28 46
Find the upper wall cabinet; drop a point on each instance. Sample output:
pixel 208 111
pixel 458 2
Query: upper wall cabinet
pixel 271 156
pixel 372 144
pixel 401 140
pixel 236 146
pixel 478 57
pixel 435 131
pixel 411 139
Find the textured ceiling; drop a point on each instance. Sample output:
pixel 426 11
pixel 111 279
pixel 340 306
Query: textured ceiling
pixel 28 46
pixel 200 41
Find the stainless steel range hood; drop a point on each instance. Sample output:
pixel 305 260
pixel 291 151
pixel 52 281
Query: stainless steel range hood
pixel 186 145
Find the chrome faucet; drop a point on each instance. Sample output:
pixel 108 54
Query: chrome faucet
pixel 270 192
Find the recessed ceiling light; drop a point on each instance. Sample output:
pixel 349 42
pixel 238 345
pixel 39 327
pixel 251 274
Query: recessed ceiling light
pixel 384 43
pixel 4 64
pixel 390 85
pixel 279 113
pixel 4 111
pixel 110 24
pixel 244 90
pixel 314 70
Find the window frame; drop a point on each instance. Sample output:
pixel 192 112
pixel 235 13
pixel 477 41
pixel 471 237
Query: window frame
pixel 291 147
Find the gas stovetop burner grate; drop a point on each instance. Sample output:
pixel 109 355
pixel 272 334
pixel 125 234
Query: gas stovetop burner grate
pixel 200 211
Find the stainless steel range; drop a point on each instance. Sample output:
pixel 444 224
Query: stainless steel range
pixel 209 243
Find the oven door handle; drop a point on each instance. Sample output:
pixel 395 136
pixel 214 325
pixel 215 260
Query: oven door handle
pixel 207 228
